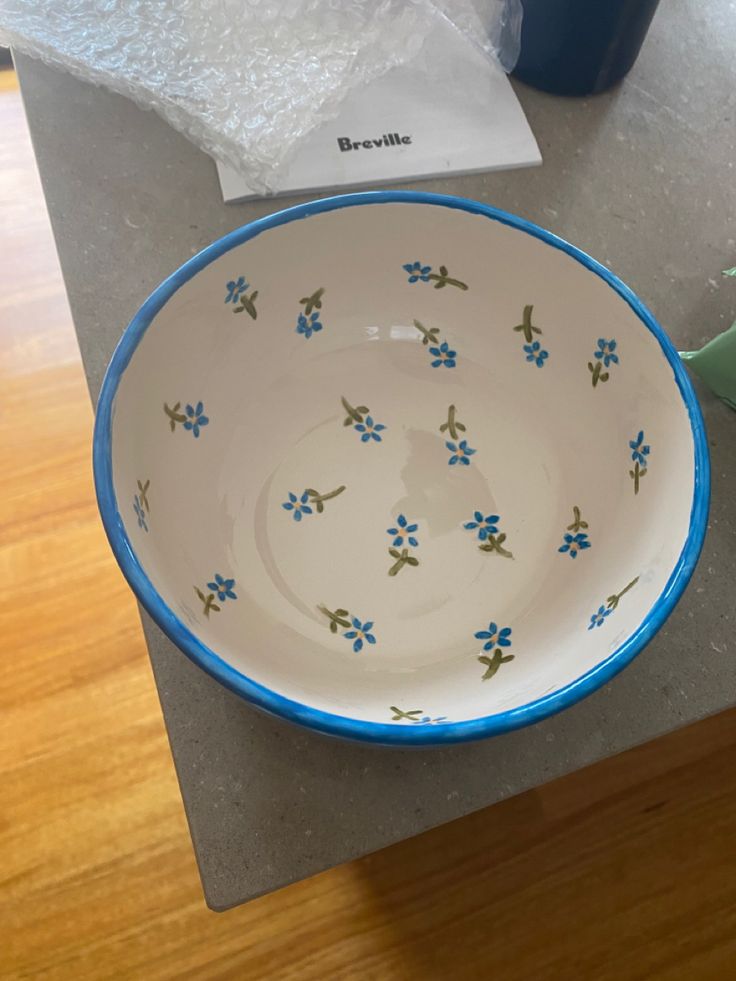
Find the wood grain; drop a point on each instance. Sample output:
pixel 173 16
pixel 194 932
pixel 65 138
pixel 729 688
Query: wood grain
pixel 626 870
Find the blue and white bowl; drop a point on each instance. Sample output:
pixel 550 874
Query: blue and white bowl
pixel 401 467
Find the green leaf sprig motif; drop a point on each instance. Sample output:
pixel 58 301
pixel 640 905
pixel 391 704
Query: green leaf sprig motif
pixel 337 618
pixel 526 326
pixel 208 601
pixel 430 335
pixel 319 499
pixel 142 492
pixel 445 279
pixel 354 414
pixel 174 415
pixel 413 715
pixel 312 302
pixel 494 543
pixel 453 425
pixel 613 600
pixel 402 558
pixel 494 662
pixel 248 304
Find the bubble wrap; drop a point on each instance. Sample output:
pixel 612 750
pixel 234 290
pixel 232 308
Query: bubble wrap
pixel 246 80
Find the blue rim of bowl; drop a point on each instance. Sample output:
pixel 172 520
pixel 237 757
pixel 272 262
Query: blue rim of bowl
pixel 388 733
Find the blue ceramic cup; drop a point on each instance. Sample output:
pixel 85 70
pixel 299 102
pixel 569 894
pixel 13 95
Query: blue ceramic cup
pixel 579 47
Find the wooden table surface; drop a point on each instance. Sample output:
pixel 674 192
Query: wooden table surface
pixel 626 870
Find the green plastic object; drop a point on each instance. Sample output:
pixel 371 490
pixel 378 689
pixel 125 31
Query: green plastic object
pixel 716 365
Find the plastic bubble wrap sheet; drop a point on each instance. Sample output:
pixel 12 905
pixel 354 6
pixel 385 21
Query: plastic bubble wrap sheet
pixel 246 80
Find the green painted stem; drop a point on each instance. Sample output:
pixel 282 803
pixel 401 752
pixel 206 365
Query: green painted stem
pixel 321 498
pixel 398 714
pixel 526 325
pixel 352 412
pixel 442 280
pixel 334 617
pixel 613 601
pixel 429 334
pixel 173 414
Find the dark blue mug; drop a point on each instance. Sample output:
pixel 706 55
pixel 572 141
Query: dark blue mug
pixel 578 47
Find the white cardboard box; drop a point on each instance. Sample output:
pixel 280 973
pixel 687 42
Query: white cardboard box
pixel 412 124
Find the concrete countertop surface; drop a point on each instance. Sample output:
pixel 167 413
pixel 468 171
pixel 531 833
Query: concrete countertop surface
pixel 642 178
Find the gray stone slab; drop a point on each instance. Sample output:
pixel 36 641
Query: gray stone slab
pixel 643 178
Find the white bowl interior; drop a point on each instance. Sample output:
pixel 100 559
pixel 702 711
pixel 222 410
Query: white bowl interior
pixel 547 441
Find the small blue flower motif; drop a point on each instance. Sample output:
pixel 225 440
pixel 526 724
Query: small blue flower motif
pixel 536 353
pixel 195 419
pixel 359 633
pixel 369 429
pixel 404 531
pixel 461 453
pixel 598 618
pixel 494 637
pixel 298 505
pixel 234 288
pixel 485 526
pixel 574 544
pixel 443 356
pixel 223 587
pixel 308 325
pixel 140 513
pixel 605 352
pixel 417 271
pixel 639 452
pixel 427 720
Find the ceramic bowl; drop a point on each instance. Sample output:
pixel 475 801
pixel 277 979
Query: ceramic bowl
pixel 401 467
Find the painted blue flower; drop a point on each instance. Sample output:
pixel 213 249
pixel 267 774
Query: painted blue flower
pixel 639 452
pixel 597 619
pixel 485 525
pixel 403 531
pixel 443 356
pixel 223 587
pixel 369 429
pixel 195 419
pixel 234 288
pixel 536 353
pixel 298 506
pixel 140 513
pixel 427 720
pixel 574 544
pixel 494 637
pixel 605 352
pixel 417 271
pixel 359 633
pixel 308 325
pixel 461 453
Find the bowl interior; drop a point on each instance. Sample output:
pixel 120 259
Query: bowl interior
pixel 402 463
